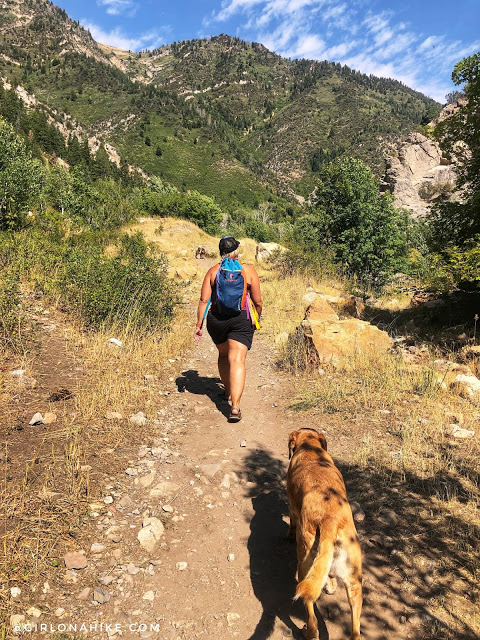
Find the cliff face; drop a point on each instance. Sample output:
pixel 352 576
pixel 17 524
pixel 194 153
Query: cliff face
pixel 418 174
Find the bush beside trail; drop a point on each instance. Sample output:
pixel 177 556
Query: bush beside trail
pixel 130 288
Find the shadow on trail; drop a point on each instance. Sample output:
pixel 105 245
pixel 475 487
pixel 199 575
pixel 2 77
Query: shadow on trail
pixel 416 553
pixel 203 386
pixel 273 560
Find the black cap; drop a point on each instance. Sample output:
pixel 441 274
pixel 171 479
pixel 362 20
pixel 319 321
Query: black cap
pixel 227 244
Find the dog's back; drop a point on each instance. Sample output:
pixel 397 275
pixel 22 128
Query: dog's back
pixel 327 542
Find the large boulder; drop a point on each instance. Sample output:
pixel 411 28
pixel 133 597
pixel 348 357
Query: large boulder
pixel 265 250
pixel 329 339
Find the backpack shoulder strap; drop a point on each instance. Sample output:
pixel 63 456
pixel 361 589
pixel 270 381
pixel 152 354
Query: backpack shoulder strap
pixel 244 295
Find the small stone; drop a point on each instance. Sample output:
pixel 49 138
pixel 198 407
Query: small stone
pixel 151 532
pixel 115 536
pixel 243 443
pixel 34 612
pixel 15 592
pixel 225 483
pixel 75 560
pixel 146 481
pixel 357 511
pixel 287 633
pixel 106 580
pixel 97 548
pixel 49 418
pixel 149 378
pixel 149 595
pixel 388 518
pixel 198 409
pixel 165 490
pixel 429 579
pixel 37 419
pixel 168 508
pixel 402 619
pixel 83 595
pixel 456 431
pixel 108 500
pixel 131 471
pixel 139 419
pixel 132 569
pixel 181 566
pixel 116 342
pixel 113 415
pixel 100 595
pixel 125 502
pixel 232 617
pixel 59 612
pixel 384 412
pixel 231 557
pixel 18 373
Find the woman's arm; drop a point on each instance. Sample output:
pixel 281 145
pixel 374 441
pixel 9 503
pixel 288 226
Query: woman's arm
pixel 255 294
pixel 202 303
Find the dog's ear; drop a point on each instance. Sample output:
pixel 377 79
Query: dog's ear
pixel 323 440
pixel 292 443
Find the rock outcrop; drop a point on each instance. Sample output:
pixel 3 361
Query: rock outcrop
pixel 329 339
pixel 266 249
pixel 417 174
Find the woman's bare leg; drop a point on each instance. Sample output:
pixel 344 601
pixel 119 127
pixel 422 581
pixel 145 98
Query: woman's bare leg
pixel 224 366
pixel 237 352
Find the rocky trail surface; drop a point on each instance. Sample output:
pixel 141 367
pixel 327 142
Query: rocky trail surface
pixel 190 540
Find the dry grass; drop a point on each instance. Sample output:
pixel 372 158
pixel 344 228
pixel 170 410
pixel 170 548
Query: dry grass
pixel 115 378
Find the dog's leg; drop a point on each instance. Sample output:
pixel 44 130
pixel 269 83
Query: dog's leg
pixel 330 585
pixel 311 630
pixel 353 586
pixel 305 557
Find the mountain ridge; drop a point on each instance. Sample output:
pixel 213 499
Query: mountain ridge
pixel 221 115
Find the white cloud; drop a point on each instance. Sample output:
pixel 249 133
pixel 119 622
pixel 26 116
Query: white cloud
pixel 429 43
pixel 307 46
pixel 117 38
pixel 116 7
pixel 381 44
pixel 339 51
pixel 334 12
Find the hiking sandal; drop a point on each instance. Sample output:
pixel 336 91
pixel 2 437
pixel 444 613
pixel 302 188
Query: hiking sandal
pixel 235 417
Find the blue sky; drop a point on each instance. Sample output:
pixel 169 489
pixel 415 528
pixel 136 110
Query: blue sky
pixel 415 41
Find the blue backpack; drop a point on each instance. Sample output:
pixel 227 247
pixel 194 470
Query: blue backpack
pixel 230 287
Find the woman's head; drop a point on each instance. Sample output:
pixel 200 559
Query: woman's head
pixel 228 247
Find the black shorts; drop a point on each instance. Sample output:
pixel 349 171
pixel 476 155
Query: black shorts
pixel 223 328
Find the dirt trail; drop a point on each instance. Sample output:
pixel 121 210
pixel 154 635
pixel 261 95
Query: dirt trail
pixel 219 491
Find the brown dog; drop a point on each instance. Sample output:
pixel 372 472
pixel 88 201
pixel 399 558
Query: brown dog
pixel 321 518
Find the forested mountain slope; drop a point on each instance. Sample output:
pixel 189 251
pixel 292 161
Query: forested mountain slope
pixel 223 116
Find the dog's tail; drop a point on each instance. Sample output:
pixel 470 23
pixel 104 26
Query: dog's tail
pixel 311 586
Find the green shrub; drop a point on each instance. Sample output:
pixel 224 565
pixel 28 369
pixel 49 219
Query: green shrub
pixel 131 288
pixel 10 315
pixel 21 178
pixel 349 216
pixel 192 206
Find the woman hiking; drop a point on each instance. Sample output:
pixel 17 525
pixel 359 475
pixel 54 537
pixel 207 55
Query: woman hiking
pixel 234 291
